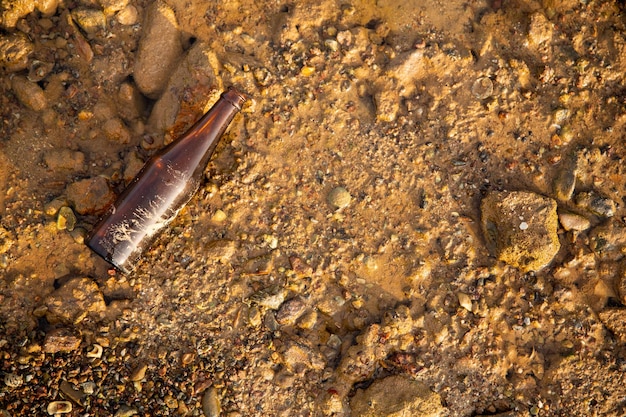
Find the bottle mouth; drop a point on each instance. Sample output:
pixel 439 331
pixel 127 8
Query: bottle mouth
pixel 234 97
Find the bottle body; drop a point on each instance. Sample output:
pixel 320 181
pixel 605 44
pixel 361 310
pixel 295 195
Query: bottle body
pixel 163 186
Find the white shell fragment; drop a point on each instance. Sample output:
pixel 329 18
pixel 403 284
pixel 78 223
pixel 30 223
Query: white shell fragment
pixel 59 407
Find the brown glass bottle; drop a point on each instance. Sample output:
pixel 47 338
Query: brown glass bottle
pixel 163 186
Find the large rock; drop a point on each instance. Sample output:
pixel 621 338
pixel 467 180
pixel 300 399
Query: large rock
pixel 159 50
pixel 396 396
pixel 521 228
pixel 194 74
pixel 74 300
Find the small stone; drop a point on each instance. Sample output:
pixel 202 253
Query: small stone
pixel 13 380
pixel 531 246
pixel 170 402
pixel 64 159
pixel 53 207
pixel 298 356
pixel 7 240
pixel 159 49
pixel 14 51
pixel 61 340
pixel 47 7
pixel 254 316
pixel 219 216
pixel 66 220
pixel 290 311
pixel 29 93
pixel 396 396
pixel 387 105
pixel 339 197
pixel 608 241
pixel 565 184
pixel 127 16
pixel 59 407
pixel 596 204
pixel 271 298
pixel 112 6
pixel 91 195
pixel 79 235
pixel 211 406
pixel 571 221
pixel 482 88
pixel 116 131
pixel 139 373
pixel 74 300
pixel 540 30
pixel 465 301
pixel 126 411
pixel 220 250
pixel 89 20
pixel 72 393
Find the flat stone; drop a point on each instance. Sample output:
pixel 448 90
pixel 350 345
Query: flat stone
pixel 521 228
pixel 74 300
pixel 571 221
pixel 159 50
pixel 91 195
pixel 61 340
pixel 221 250
pixel 596 204
pixel 396 396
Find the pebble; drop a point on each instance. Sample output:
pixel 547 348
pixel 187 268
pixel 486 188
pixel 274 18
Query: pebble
pixel 47 7
pixel 72 393
pixel 290 311
pixel 482 88
pixel 159 50
pixel 39 70
pixel 139 373
pixel 387 105
pixel 14 51
pixel 565 184
pixel 116 131
pixel 59 407
pixel 61 340
pixel 90 20
pixel 596 204
pixel 66 220
pixel 571 221
pixel 29 93
pixel 521 228
pixel 126 411
pixel 112 6
pixel 254 316
pixel 127 16
pixel 465 301
pixel 13 380
pixel 339 197
pixel 91 195
pixel 211 406
pixel 74 300
pixel 540 29
pixel 7 240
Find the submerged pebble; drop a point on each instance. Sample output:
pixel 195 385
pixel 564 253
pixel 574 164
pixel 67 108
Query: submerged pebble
pixel 339 197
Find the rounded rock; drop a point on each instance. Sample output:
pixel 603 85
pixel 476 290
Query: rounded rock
pixel 29 93
pixel 339 197
pixel 159 50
